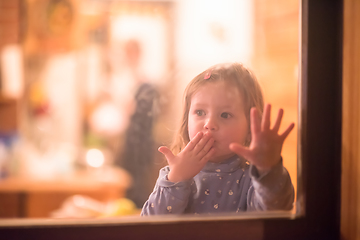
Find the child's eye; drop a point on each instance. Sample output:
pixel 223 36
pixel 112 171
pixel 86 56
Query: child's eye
pixel 225 115
pixel 199 112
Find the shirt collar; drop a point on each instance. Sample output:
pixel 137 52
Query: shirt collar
pixel 227 166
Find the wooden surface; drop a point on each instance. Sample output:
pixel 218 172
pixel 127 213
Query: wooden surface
pixel 37 198
pixel 350 194
pixel 80 181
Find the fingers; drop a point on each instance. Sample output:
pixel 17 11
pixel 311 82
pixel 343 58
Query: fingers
pixel 255 121
pixel 208 156
pixel 278 120
pixel 265 123
pixel 240 150
pixel 206 148
pixel 287 131
pixel 167 153
pixel 193 142
pixel 199 148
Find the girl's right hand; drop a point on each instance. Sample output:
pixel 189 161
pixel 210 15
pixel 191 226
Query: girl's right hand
pixel 189 162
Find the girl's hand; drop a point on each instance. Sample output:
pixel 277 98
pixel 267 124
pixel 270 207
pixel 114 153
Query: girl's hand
pixel 191 159
pixel 265 149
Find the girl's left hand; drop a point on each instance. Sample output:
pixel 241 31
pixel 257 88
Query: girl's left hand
pixel 264 151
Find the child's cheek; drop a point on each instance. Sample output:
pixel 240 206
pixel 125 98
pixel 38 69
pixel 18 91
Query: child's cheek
pixel 191 135
pixel 192 130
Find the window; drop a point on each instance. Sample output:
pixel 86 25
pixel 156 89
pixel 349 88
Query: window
pixel 320 148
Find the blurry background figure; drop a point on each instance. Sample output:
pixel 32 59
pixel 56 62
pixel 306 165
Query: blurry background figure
pixel 137 156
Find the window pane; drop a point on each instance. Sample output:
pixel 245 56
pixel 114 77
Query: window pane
pixel 97 87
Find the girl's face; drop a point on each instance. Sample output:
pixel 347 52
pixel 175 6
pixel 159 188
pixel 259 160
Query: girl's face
pixel 218 108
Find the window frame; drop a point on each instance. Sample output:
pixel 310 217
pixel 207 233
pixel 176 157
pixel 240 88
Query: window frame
pixel 320 150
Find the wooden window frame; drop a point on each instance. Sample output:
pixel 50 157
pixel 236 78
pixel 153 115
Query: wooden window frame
pixel 320 150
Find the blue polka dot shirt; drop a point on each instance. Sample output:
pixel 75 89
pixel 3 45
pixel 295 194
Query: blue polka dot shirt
pixel 230 186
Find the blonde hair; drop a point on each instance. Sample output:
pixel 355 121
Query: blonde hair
pixel 233 73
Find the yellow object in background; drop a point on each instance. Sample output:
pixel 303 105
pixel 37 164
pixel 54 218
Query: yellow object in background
pixel 80 206
pixel 39 103
pixel 121 207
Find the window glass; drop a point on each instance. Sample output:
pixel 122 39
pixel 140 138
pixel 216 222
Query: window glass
pixel 95 87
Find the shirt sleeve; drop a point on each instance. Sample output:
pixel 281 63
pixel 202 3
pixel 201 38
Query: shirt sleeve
pixel 167 197
pixel 270 191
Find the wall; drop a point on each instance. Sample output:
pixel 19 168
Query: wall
pixel 9 34
pixel 275 63
pixel 9 21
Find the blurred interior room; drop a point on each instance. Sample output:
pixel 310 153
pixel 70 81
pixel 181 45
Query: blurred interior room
pixel 89 89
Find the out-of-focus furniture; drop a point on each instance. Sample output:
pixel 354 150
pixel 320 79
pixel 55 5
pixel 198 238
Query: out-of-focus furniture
pixel 35 198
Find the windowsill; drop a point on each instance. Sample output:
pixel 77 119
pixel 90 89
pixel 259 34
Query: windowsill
pixel 129 220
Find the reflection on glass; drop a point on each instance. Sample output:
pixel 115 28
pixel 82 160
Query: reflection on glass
pixel 94 88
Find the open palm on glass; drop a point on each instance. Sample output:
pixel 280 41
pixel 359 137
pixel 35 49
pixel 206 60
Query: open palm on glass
pixel 266 143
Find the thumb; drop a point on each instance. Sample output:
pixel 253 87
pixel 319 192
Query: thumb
pixel 167 153
pixel 239 150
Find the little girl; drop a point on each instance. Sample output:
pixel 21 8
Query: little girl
pixel 225 157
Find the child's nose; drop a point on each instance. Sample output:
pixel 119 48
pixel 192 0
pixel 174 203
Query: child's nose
pixel 211 124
